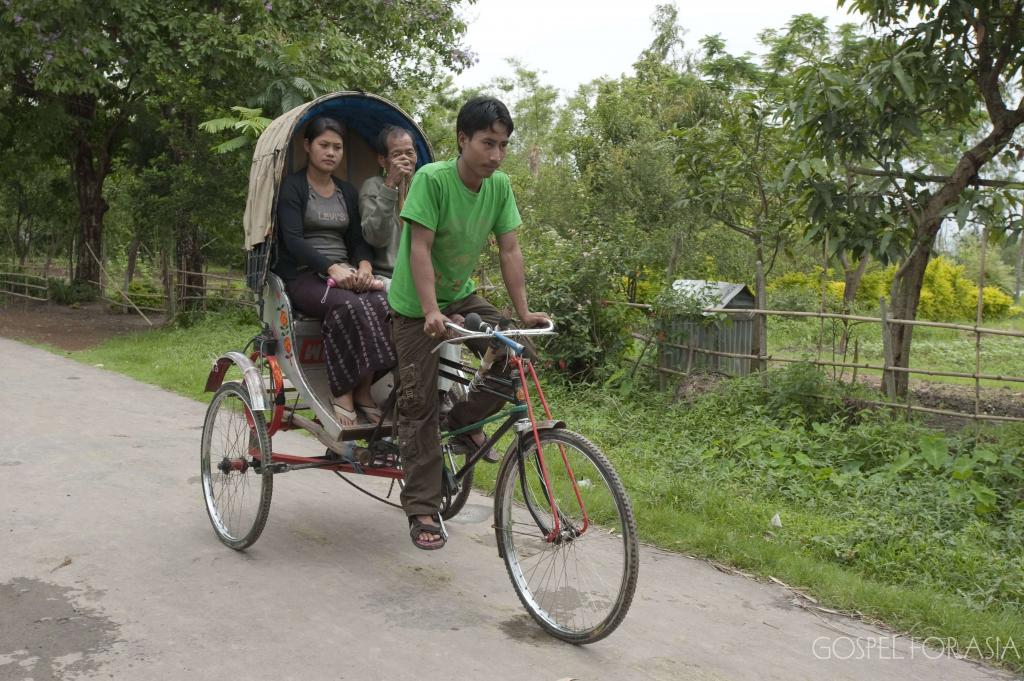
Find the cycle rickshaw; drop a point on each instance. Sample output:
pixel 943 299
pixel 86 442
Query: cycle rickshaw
pixel 563 522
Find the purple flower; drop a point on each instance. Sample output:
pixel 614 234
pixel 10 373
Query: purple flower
pixel 48 56
pixel 18 19
pixel 268 6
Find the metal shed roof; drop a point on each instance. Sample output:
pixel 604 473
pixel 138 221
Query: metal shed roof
pixel 716 293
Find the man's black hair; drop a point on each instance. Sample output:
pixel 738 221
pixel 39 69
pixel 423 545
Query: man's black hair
pixel 480 113
pixel 385 135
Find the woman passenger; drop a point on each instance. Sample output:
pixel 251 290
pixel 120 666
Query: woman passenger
pixel 319 237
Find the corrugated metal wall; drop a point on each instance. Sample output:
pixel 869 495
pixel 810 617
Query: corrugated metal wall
pixel 736 336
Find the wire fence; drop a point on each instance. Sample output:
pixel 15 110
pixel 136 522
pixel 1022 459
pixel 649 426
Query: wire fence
pixel 201 291
pixel 887 368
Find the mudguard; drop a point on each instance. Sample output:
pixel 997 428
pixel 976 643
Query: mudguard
pixel 250 375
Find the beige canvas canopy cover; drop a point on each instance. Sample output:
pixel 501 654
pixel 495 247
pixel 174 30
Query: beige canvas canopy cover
pixel 279 150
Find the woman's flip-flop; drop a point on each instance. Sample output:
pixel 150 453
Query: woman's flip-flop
pixel 346 417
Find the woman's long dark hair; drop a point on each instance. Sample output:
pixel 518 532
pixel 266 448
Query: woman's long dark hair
pixel 322 124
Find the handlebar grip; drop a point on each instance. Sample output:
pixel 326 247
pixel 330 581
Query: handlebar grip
pixel 473 322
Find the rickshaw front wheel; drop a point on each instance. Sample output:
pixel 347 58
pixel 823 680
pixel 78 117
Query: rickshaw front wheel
pixel 568 536
pixel 235 467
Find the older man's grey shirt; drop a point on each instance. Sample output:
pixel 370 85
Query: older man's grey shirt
pixel 382 228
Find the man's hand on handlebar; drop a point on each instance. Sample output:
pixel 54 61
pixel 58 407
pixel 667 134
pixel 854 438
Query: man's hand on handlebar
pixel 434 325
pixel 532 319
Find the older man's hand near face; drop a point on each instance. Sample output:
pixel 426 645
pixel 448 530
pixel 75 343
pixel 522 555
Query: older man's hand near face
pixel 399 171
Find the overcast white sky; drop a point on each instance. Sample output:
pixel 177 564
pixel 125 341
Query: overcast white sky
pixel 575 41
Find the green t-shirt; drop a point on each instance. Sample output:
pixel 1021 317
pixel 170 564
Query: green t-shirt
pixel 461 222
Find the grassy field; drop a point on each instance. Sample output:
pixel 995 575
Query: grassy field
pixel 933 348
pixel 921 530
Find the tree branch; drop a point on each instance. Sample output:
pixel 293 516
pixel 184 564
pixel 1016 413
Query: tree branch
pixel 742 230
pixel 922 177
pixel 908 202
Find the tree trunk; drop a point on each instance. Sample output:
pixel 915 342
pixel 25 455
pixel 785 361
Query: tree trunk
pixel 28 242
pixel 851 282
pixel 133 257
pixel 17 253
pixel 188 246
pixel 192 286
pixel 168 280
pixel 129 270
pixel 852 279
pixel 89 173
pixel 905 295
pixel 674 255
pixel 906 285
pixel 51 250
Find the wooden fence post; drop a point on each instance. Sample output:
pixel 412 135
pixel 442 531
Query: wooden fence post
pixel 977 326
pixel 824 290
pixel 887 375
pixel 761 325
pixel 856 359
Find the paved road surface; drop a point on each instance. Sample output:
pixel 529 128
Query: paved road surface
pixel 109 570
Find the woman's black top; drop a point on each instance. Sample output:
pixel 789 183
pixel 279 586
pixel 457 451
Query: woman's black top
pixel 293 251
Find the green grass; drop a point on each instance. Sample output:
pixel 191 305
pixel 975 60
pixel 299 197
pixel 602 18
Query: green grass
pixel 176 358
pixel 875 518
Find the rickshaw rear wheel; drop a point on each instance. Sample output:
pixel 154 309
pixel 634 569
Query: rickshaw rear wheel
pixel 235 467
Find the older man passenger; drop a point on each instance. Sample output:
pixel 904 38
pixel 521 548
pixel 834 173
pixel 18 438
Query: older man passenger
pixel 382 196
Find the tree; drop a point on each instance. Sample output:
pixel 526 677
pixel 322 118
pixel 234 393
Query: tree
pixel 934 71
pixel 85 73
pixel 733 151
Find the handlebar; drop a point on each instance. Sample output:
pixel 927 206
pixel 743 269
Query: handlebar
pixel 505 337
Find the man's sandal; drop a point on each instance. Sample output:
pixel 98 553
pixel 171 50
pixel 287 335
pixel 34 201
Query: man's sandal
pixel 417 527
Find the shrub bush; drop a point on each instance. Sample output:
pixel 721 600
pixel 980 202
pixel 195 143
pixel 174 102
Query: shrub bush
pixel 947 293
pixel 570 282
pixel 65 292
pixel 145 294
pixel 801 391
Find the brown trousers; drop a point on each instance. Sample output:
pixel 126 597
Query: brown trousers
pixel 418 436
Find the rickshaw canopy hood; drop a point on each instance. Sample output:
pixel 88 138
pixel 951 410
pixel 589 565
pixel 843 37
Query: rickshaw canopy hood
pixel 279 150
